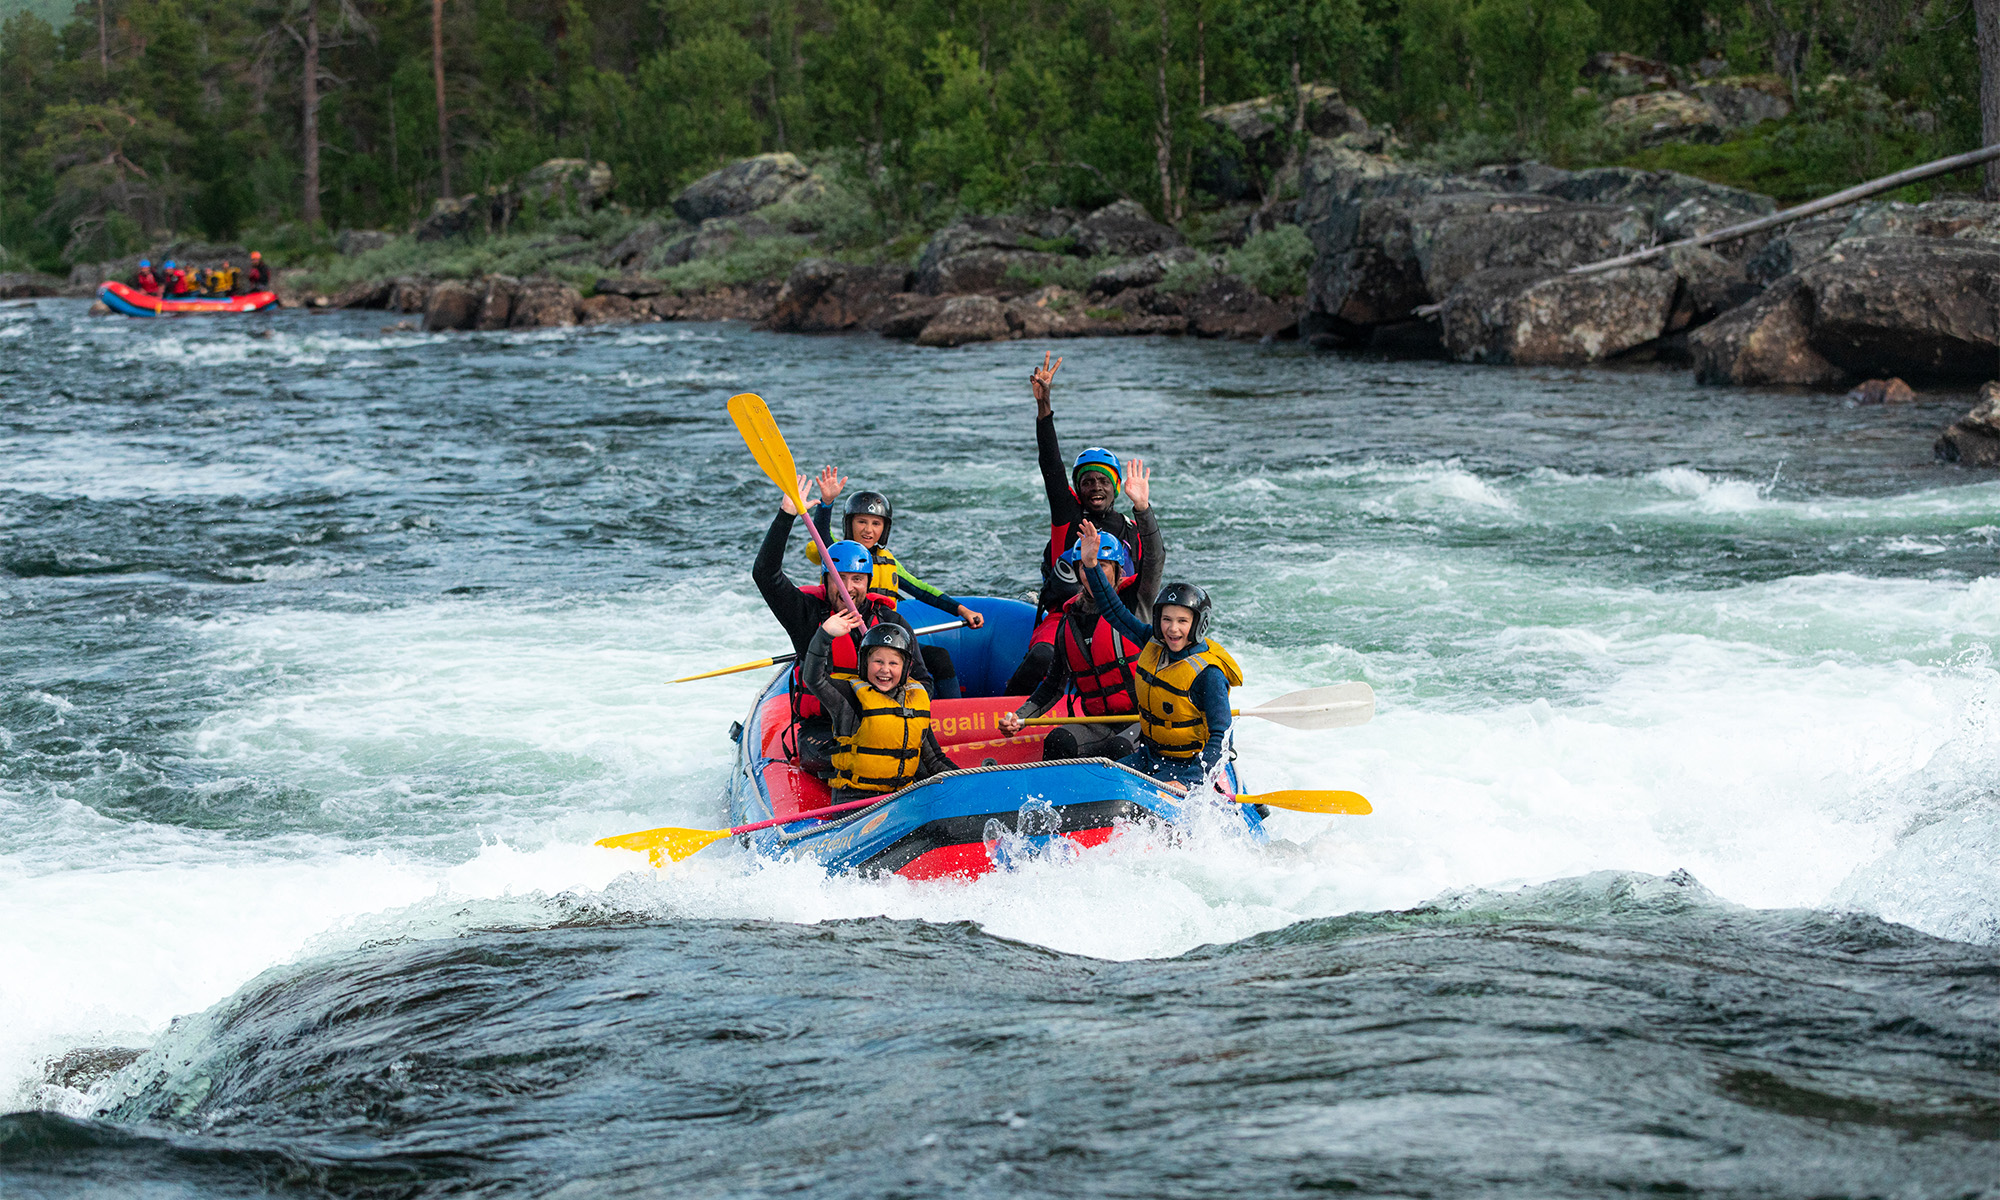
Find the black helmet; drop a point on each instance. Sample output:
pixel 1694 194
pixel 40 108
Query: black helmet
pixel 868 504
pixel 892 635
pixel 1188 596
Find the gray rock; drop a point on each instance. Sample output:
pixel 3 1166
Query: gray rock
pixel 632 286
pixel 565 183
pixel 1658 192
pixel 822 296
pixel 1123 228
pixel 408 293
pixel 1882 391
pixel 1657 117
pixel 1227 307
pixel 1742 102
pixel 1144 271
pixel 1258 128
pixel 632 251
pixel 977 254
pixel 369 293
pixel 360 241
pixel 19 285
pixel 613 309
pixel 458 217
pixel 1520 177
pixel 1455 236
pixel 1359 209
pixel 1710 285
pixel 1926 309
pixel 1526 317
pixel 966 319
pixel 1764 342
pixel 907 314
pixel 453 304
pixel 541 303
pixel 1971 220
pixel 746 186
pixel 496 307
pixel 1794 247
pixel 1974 439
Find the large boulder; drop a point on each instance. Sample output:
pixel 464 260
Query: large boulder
pixel 1530 318
pixel 610 308
pixel 1455 236
pixel 981 254
pixel 1144 271
pixel 746 186
pixel 565 183
pixel 453 304
pixel 1745 100
pixel 368 293
pixel 1123 228
pixel 1764 342
pixel 18 285
pixel 1651 118
pixel 1682 205
pixel 408 293
pixel 496 306
pixel 631 252
pixel 1359 210
pixel 966 319
pixel 1974 439
pixel 1794 247
pixel 540 303
pixel 1926 309
pixel 1257 129
pixel 361 241
pixel 1971 220
pixel 822 296
pixel 458 217
pixel 1709 285
pixel 1227 307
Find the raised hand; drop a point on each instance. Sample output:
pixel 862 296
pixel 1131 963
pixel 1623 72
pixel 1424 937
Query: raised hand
pixel 830 483
pixel 841 623
pixel 1139 484
pixel 1086 544
pixel 1040 379
pixel 804 493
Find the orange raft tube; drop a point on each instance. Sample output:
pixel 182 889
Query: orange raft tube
pixel 121 298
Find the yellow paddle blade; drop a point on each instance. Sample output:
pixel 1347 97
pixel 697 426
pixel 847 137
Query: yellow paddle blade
pixel 1348 803
pixel 749 666
pixel 767 445
pixel 673 843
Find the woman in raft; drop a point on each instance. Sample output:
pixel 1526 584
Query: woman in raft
pixel 1181 679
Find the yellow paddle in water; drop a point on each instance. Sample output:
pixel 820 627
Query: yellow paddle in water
pixel 767 445
pixel 669 842
pixel 1334 707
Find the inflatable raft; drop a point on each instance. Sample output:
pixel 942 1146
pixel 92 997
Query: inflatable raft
pixel 132 302
pixel 1004 805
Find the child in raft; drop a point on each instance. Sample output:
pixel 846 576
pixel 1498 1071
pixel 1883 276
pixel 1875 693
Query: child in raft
pixel 1181 679
pixel 868 520
pixel 881 721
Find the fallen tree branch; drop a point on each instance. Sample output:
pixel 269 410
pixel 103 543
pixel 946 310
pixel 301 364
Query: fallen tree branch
pixel 1873 187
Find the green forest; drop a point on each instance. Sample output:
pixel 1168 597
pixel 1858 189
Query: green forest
pixel 122 121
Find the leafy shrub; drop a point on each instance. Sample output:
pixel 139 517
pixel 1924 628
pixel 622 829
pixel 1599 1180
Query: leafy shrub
pixel 1184 277
pixel 1072 273
pixel 746 262
pixel 1105 314
pixel 1275 262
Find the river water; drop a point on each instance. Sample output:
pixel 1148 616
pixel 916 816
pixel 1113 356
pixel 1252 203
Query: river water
pixel 326 650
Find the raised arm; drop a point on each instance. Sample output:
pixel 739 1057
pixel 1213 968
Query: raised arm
pixel 1055 474
pixel 816 669
pixel 1108 604
pixel 1152 547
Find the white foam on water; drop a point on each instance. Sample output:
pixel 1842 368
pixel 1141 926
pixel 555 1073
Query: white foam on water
pixel 1822 740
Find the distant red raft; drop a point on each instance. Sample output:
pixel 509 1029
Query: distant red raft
pixel 120 298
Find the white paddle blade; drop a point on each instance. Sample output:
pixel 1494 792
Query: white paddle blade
pixel 1334 707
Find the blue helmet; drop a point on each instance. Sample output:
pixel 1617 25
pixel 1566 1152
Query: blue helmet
pixel 1101 459
pixel 145 262
pixel 850 558
pixel 171 264
pixel 1109 549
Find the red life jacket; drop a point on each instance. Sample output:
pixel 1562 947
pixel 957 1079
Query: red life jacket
pixel 843 659
pixel 1101 672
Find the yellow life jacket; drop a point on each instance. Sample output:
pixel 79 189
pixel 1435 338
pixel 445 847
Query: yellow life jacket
pixel 884 580
pixel 886 749
pixel 1169 718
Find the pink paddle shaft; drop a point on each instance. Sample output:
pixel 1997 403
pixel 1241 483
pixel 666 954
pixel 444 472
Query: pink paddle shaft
pixel 754 826
pixel 826 561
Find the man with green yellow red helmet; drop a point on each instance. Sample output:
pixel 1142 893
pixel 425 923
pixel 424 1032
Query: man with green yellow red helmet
pixel 1088 488
pixel 868 520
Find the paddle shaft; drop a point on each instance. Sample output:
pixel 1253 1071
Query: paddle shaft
pixel 785 658
pixel 1118 718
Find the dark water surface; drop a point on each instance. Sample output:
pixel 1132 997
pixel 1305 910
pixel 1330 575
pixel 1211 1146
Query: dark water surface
pixel 325 653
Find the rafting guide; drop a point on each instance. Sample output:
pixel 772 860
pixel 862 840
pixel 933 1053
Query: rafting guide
pixel 889 748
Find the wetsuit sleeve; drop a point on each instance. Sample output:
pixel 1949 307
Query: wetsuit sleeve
pixel 1211 695
pixel 1055 478
pixel 1051 688
pixel 917 589
pixel 833 697
pixel 1152 562
pixel 932 760
pixel 1114 610
pixel 793 609
pixel 823 518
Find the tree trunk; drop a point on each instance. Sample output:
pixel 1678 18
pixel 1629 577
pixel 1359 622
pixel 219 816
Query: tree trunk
pixel 1163 133
pixel 1200 59
pixel 103 43
pixel 311 131
pixel 1987 14
pixel 437 76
